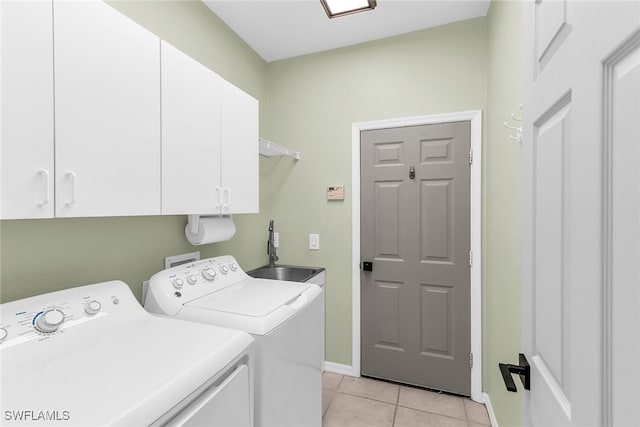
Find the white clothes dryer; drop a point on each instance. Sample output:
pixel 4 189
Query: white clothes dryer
pixel 92 356
pixel 284 318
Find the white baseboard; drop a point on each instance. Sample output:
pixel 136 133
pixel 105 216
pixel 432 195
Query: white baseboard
pixel 339 368
pixel 492 416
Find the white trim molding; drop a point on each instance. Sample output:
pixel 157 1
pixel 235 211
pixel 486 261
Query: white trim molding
pixel 492 415
pixel 475 118
pixel 339 368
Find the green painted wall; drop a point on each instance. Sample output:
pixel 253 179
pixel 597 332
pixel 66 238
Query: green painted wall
pixel 313 101
pixel 502 201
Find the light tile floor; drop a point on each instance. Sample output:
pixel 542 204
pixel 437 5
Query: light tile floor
pixel 354 402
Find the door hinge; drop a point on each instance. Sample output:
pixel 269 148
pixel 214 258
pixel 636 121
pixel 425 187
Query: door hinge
pixel 471 360
pixel 470 258
pixel 470 156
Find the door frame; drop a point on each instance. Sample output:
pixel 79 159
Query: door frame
pixel 475 118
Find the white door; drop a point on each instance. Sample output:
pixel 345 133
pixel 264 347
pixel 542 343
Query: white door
pixel 26 169
pixel 581 218
pixel 107 112
pixel 190 135
pixel 239 151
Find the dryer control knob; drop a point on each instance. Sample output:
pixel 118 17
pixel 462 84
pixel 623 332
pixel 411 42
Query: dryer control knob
pixel 177 283
pixel 192 279
pixel 233 266
pixel 224 269
pixel 209 274
pixel 3 334
pixel 49 321
pixel 93 307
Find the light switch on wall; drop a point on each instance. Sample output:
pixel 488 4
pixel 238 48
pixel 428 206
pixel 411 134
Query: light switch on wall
pixel 314 242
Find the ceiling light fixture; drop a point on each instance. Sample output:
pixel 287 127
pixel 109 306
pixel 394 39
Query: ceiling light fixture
pixel 335 8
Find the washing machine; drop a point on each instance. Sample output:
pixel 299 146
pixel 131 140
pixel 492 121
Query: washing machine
pixel 284 318
pixel 92 356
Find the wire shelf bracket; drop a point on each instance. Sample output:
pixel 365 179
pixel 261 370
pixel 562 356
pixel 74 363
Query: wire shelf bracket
pixel 270 149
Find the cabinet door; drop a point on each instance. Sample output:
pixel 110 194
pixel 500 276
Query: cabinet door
pixel 239 151
pixel 107 105
pixel 190 135
pixel 26 174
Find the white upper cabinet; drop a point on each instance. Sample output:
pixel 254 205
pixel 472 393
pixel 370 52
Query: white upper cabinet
pixel 209 140
pixel 94 124
pixel 239 151
pixel 190 135
pixel 26 159
pixel 107 112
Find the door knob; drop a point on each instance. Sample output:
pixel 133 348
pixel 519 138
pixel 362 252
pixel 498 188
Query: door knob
pixel 367 266
pixel 521 369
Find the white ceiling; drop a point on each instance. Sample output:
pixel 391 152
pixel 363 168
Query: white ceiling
pixel 279 29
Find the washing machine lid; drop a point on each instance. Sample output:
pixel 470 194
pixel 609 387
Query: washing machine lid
pixel 252 297
pixel 257 306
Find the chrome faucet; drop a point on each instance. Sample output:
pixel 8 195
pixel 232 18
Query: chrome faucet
pixel 271 248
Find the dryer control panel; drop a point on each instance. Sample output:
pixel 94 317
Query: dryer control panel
pixel 170 289
pixel 45 316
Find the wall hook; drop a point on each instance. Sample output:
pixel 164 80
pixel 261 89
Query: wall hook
pixel 518 136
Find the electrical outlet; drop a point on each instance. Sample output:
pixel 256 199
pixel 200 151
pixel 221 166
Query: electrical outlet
pixel 314 242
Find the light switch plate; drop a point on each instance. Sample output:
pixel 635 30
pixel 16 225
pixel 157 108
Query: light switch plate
pixel 314 242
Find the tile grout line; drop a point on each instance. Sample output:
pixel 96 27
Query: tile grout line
pixel 333 398
pixel 435 413
pixel 395 413
pixel 466 416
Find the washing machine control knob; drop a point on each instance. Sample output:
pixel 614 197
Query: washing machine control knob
pixel 92 307
pixel 209 274
pixel 3 334
pixel 233 266
pixel 224 269
pixel 177 283
pixel 49 321
pixel 192 279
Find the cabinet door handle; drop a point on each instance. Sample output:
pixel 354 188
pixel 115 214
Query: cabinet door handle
pixel 72 180
pixel 219 199
pixel 45 181
pixel 227 191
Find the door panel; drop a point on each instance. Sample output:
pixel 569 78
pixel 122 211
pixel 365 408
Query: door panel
pixel 552 29
pixel 387 212
pixel 436 317
pixel 622 82
pixel 416 301
pixel 551 330
pixel 389 312
pixel 436 227
pixel 581 213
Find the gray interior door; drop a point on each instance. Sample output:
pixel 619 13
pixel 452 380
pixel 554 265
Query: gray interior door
pixel 415 230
